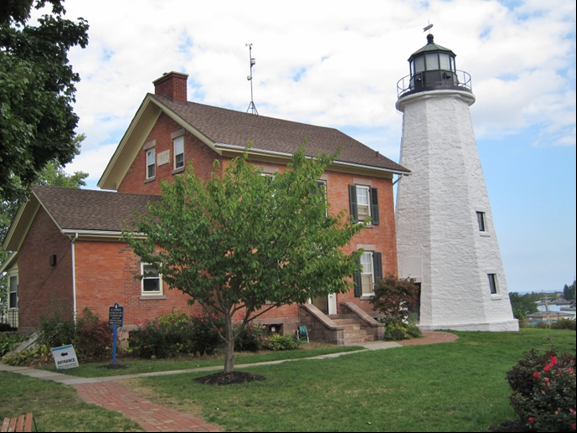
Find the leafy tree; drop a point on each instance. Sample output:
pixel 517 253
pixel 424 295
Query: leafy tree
pixel 52 174
pixel 36 92
pixel 523 304
pixel 395 298
pixel 569 292
pixel 241 243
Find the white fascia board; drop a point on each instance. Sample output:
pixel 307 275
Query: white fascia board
pixel 252 150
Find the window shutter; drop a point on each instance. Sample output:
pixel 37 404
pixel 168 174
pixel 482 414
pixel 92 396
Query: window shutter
pixel 358 282
pixel 353 202
pixel 374 207
pixel 378 266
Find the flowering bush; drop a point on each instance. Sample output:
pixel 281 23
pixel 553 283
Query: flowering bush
pixel 544 391
pixel 251 338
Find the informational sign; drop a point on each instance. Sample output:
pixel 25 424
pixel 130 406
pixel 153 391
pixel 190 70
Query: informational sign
pixel 116 316
pixel 64 357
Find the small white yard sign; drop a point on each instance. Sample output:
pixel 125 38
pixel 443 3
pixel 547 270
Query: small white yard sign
pixel 64 357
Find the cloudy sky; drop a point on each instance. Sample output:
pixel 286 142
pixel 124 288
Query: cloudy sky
pixel 336 63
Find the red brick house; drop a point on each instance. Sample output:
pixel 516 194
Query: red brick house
pixel 67 246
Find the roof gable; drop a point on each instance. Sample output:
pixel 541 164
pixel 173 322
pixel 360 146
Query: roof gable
pixel 223 129
pixel 78 211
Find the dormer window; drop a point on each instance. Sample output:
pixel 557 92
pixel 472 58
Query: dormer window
pixel 151 163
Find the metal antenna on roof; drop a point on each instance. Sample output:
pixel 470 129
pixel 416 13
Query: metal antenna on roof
pixel 251 106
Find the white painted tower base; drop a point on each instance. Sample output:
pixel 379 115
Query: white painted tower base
pixel 439 241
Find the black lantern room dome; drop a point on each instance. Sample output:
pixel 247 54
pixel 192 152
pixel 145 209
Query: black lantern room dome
pixel 433 67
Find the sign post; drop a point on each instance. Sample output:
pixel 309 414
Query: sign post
pixel 115 320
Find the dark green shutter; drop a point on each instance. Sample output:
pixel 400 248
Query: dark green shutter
pixel 353 202
pixel 378 266
pixel 358 281
pixel 374 207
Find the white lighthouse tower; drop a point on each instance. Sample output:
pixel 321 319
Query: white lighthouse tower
pixel 445 234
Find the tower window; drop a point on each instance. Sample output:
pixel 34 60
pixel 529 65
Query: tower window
pixel 493 283
pixel 481 221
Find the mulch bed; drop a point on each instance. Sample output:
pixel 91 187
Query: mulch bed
pixel 223 379
pixel 115 366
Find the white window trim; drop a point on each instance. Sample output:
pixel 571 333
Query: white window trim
pixel 483 233
pixel 372 274
pixel 493 277
pixel 148 152
pixel 11 275
pixel 367 190
pixel 149 293
pixel 174 143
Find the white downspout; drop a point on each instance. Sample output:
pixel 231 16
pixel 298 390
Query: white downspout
pixel 74 277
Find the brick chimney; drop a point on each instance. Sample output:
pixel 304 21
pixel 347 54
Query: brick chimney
pixel 172 85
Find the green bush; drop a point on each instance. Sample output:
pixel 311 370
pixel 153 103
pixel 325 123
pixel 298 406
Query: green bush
pixel 564 324
pixel 281 342
pixel 30 357
pixel 402 331
pixel 541 325
pixel 93 336
pixel 56 331
pixel 10 341
pixel 544 391
pixel 252 338
pixel 176 333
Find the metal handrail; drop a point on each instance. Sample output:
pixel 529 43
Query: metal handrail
pixel 404 84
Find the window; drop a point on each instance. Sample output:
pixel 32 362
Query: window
pixel 493 283
pixel 13 292
pixel 150 163
pixel 178 152
pixel 481 221
pixel 151 281
pixel 372 271
pixel 364 203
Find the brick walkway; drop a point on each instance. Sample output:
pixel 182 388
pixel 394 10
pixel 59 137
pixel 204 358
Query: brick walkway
pixel 152 417
pixel 109 394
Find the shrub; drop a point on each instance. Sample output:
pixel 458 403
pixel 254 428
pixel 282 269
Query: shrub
pixel 93 336
pixel 252 338
pixel 395 298
pixel 56 331
pixel 281 342
pixel 176 333
pixel 564 324
pixel 10 341
pixel 401 331
pixel 544 391
pixel 30 357
pixel 541 325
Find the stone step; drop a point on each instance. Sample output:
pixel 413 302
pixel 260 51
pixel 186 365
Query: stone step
pixel 344 321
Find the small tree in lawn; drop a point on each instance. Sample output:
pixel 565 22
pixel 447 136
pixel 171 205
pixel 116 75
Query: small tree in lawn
pixel 245 243
pixel 395 298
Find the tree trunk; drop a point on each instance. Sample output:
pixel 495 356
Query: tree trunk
pixel 229 345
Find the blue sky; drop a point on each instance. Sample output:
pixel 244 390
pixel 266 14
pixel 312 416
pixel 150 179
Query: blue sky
pixel 337 64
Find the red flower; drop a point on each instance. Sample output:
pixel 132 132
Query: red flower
pixel 536 375
pixel 532 420
pixel 553 360
pixel 547 367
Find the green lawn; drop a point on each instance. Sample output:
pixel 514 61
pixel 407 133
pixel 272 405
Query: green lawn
pixel 456 386
pixel 56 407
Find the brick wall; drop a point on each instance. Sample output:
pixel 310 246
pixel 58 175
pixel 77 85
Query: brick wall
pixel 105 274
pixel 199 153
pixel 41 286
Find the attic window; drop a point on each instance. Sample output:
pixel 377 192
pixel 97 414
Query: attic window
pixel 178 152
pixel 151 163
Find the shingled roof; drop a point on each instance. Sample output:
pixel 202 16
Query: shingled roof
pixel 235 128
pixel 82 209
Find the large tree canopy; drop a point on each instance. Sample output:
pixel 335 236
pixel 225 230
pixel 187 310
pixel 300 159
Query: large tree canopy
pixel 244 242
pixel 37 90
